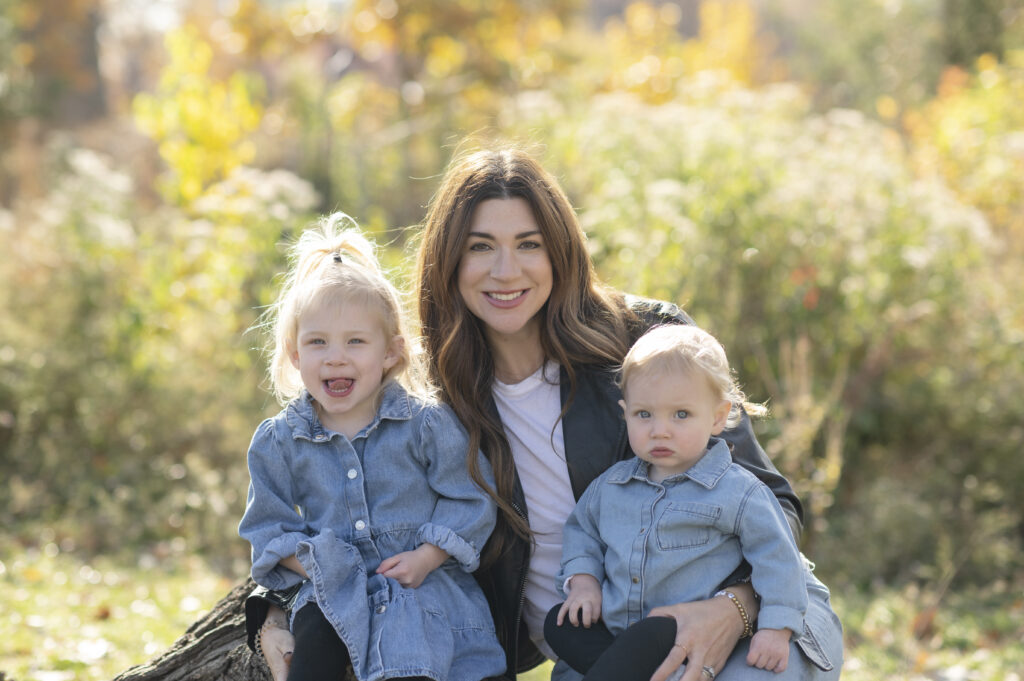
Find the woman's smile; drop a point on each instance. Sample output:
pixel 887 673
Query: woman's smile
pixel 506 299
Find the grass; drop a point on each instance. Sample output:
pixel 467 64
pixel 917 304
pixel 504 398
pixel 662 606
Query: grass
pixel 63 618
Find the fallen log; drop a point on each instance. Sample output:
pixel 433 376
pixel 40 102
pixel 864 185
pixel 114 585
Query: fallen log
pixel 211 648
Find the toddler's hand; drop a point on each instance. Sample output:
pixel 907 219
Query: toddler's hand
pixel 769 649
pixel 583 602
pixel 410 568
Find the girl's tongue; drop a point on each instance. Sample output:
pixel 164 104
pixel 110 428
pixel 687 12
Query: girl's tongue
pixel 338 386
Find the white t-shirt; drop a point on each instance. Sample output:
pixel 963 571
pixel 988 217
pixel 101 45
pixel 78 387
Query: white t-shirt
pixel 529 411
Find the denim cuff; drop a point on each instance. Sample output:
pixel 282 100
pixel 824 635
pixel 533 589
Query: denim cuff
pixel 780 617
pixel 266 570
pixel 457 547
pixel 581 565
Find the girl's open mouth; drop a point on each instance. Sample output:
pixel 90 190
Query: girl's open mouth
pixel 338 387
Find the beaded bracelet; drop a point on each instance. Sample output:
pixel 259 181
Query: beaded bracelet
pixel 748 629
pixel 257 643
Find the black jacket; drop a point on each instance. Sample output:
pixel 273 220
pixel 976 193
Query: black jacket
pixel 594 432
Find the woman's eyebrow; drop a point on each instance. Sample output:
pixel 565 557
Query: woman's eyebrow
pixel 521 235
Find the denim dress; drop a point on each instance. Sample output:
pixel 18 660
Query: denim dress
pixel 342 506
pixel 654 544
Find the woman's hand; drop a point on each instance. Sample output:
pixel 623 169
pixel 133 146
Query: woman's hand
pixel 277 643
pixel 706 633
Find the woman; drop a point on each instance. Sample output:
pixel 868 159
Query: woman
pixel 523 342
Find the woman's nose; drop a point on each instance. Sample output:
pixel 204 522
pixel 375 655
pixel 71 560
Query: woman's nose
pixel 505 265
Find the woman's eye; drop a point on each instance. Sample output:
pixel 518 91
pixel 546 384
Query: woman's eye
pixel 479 246
pixel 530 245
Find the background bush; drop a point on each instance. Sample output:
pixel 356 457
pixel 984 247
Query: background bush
pixel 835 195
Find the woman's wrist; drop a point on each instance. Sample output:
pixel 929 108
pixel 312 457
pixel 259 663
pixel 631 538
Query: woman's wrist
pixel 748 623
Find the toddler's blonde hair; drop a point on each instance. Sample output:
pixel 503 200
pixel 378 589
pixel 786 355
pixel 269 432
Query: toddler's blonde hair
pixel 333 263
pixel 685 347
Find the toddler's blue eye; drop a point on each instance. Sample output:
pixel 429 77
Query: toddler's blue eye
pixel 682 414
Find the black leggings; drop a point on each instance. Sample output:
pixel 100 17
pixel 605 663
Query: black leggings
pixel 633 655
pixel 320 654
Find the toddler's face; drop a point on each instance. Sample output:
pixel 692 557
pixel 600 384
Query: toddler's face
pixel 670 416
pixel 342 352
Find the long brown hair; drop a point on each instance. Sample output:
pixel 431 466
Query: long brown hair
pixel 584 322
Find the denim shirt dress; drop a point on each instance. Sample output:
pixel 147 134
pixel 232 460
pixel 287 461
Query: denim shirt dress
pixel 341 507
pixel 653 544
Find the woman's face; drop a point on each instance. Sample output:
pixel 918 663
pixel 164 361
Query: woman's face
pixel 505 273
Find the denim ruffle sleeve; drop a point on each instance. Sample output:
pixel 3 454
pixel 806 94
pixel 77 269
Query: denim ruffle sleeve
pixel 271 523
pixel 467 555
pixel 464 515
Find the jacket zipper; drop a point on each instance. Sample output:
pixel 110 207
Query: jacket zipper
pixel 523 571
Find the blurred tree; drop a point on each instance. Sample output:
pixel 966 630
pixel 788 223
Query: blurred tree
pixel 49 77
pixel 887 57
pixel 975 27
pixel 201 123
pixel 851 54
pixel 15 57
pixel 57 44
pixel 972 134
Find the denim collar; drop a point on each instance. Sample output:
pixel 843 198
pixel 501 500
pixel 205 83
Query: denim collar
pixel 305 424
pixel 706 472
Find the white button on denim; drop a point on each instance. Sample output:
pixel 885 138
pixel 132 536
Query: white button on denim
pixel 352 473
pixel 381 609
pixel 360 525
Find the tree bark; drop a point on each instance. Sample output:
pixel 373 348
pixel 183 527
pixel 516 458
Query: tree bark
pixel 212 648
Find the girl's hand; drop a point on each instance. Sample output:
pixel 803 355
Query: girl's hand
pixel 583 603
pixel 706 633
pixel 410 568
pixel 769 649
pixel 277 643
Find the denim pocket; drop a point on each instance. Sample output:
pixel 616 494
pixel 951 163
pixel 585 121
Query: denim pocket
pixel 686 525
